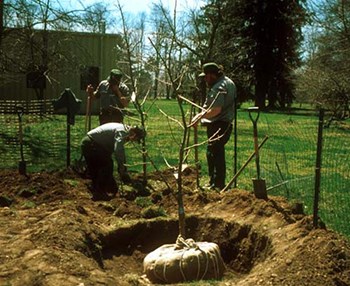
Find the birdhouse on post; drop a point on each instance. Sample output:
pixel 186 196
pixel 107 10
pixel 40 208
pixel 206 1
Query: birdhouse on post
pixel 68 102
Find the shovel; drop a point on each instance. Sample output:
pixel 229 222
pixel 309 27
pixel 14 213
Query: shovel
pixel 88 114
pixel 258 183
pixel 22 164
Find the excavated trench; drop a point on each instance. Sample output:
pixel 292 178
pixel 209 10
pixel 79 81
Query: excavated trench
pixel 241 246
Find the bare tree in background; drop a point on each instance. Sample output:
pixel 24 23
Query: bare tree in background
pixel 158 35
pixel 1 20
pixel 96 18
pixel 161 38
pixel 324 79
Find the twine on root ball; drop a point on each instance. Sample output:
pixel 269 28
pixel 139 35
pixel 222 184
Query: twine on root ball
pixel 186 260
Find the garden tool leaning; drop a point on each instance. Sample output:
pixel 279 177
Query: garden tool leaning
pixel 22 164
pixel 258 183
pixel 88 114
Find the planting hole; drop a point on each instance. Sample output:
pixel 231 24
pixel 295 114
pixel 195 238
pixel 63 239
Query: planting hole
pixel 241 246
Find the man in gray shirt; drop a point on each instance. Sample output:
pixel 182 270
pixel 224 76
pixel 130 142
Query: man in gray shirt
pixel 114 97
pixel 217 116
pixel 98 146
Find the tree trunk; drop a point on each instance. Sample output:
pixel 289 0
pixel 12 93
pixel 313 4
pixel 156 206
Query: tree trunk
pixel 272 94
pixel 156 82
pixel 1 20
pixel 260 90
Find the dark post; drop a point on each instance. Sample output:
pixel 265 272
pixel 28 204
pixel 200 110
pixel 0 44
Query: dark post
pixel 235 141
pixel 318 167
pixel 68 134
pixel 68 101
pixel 22 163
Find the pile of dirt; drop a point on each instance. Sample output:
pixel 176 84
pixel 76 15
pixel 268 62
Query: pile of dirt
pixel 52 233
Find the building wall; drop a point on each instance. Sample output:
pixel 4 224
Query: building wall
pixel 97 50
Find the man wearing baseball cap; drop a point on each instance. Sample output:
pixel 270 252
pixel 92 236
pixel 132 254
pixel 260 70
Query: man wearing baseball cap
pixel 217 116
pixel 113 95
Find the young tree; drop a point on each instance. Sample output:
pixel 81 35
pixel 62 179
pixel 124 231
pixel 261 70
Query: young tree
pixel 133 41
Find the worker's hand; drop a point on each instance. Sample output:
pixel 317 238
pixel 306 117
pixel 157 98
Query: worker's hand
pixel 89 90
pixel 115 89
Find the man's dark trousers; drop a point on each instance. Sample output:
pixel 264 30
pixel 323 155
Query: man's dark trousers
pixel 216 152
pixel 100 166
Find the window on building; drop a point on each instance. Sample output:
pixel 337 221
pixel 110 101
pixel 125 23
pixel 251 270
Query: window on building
pixel 89 75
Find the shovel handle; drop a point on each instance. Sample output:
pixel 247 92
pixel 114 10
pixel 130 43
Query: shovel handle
pixel 243 167
pixel 255 136
pixel 251 110
pixel 88 114
pixel 256 149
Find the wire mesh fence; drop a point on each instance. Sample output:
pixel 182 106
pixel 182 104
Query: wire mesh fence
pixel 31 118
pixel 335 178
pixel 287 159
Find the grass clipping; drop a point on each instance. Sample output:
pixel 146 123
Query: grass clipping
pixel 186 260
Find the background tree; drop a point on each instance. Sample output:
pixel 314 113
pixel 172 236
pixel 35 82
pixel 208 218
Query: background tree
pixel 187 40
pixel 257 42
pixel 166 47
pixel 96 18
pixel 1 20
pixel 218 25
pixel 325 77
pixel 158 37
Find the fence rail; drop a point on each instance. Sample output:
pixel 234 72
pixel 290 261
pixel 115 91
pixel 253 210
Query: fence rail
pixel 39 107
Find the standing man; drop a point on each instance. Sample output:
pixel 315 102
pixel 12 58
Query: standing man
pixel 217 116
pixel 98 146
pixel 114 97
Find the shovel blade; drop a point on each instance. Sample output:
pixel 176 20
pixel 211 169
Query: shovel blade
pixel 260 191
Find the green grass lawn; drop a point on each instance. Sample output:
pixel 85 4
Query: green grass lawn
pixel 287 160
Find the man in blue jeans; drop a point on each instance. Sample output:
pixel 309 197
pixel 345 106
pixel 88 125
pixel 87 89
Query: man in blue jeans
pixel 217 116
pixel 98 146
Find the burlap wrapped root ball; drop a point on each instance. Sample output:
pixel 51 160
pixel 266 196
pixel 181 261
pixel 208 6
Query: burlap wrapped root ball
pixel 184 261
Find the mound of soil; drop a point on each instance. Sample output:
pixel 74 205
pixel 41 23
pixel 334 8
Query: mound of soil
pixel 53 233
